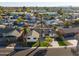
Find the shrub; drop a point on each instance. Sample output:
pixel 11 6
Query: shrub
pixel 36 44
pixel 44 44
pixel 61 43
pixel 67 24
pixel 48 39
pixel 64 43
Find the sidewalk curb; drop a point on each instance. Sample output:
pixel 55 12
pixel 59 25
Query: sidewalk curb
pixel 41 47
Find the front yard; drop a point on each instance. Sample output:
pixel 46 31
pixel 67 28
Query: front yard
pixel 61 43
pixel 64 43
pixel 49 42
pixel 44 43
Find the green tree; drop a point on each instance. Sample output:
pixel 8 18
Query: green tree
pixel 0 17
pixel 60 11
pixel 19 9
pixel 23 16
pixel 28 9
pixel 1 10
pixel 19 20
pixel 48 39
pixel 77 21
pixel 67 24
pixel 60 35
pixel 44 44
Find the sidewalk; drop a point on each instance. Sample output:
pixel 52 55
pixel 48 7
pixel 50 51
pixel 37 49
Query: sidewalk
pixel 73 42
pixel 54 44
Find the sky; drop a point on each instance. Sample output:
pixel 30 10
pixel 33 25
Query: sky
pixel 40 4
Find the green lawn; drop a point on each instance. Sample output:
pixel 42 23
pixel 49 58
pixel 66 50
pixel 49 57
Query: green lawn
pixel 42 44
pixel 30 44
pixel 61 43
pixel 36 44
pixel 64 43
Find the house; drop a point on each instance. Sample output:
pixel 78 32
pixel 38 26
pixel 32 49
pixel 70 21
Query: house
pixel 2 26
pixel 51 22
pixel 18 12
pixel 32 36
pixel 69 32
pixel 28 16
pixel 15 16
pixel 9 34
pixel 50 13
pixel 7 23
pixel 13 20
pixel 74 15
pixel 48 32
pixel 44 30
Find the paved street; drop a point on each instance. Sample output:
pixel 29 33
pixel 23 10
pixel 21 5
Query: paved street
pixel 5 51
pixel 52 52
pixel 16 52
pixel 37 52
pixel 59 52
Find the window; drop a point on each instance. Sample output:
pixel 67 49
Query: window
pixel 34 38
pixel 49 31
pixel 28 38
pixel 1 35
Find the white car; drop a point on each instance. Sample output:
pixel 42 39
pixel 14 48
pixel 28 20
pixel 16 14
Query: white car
pixel 52 22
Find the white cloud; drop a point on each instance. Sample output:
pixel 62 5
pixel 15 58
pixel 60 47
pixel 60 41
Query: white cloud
pixel 39 4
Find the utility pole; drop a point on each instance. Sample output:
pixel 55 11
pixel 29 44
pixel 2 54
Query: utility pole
pixel 41 29
pixel 77 48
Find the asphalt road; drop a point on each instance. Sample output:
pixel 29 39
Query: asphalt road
pixel 52 52
pixel 5 51
pixel 36 52
pixel 16 52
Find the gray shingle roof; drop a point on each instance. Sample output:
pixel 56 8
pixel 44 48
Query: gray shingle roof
pixel 70 30
pixel 10 32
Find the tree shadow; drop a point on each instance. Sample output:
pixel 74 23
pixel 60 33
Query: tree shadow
pixel 74 52
pixel 17 49
pixel 41 52
pixel 4 44
pixel 31 51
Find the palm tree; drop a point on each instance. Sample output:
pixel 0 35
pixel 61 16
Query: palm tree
pixel 75 51
pixel 26 30
pixel 24 36
pixel 77 47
